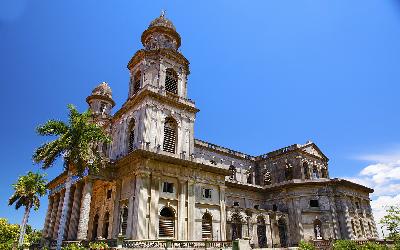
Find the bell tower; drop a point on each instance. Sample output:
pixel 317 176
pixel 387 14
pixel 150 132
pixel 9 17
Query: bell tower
pixel 158 115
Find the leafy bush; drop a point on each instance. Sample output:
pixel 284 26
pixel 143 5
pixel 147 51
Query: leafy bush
pixel 345 245
pixel 98 245
pixel 9 234
pixel 304 245
pixel 74 246
pixel 373 246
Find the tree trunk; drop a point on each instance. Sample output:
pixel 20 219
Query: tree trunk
pixel 23 225
pixel 61 228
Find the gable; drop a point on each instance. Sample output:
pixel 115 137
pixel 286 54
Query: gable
pixel 313 150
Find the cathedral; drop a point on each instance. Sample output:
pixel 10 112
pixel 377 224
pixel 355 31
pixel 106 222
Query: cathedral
pixel 163 184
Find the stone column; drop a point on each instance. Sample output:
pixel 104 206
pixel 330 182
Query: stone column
pixel 222 207
pixel 139 219
pixel 336 232
pixel 116 215
pixel 191 210
pixel 74 218
pixel 48 216
pixel 155 195
pixel 69 211
pixel 268 231
pixel 299 221
pixel 84 213
pixel 129 227
pixel 58 216
pixel 350 233
pixel 181 209
pixel 53 215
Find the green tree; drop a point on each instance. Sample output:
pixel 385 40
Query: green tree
pixel 27 191
pixel 304 245
pixel 8 234
pixel 77 143
pixel 392 222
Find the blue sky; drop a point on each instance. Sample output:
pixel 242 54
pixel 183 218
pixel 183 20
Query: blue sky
pixel 265 74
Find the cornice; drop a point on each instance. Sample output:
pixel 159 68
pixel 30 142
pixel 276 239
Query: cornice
pixel 142 94
pixel 101 97
pixel 161 29
pixel 157 54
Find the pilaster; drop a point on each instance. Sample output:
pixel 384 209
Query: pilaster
pixel 116 214
pixel 85 210
pixel 181 210
pixel 74 217
pixel 154 199
pixel 48 216
pixel 58 216
pixel 222 206
pixel 140 206
pixel 53 215
pixel 191 210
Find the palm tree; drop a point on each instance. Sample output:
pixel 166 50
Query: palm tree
pixel 77 143
pixel 28 189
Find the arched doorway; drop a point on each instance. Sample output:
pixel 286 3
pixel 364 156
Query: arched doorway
pixel 317 229
pixel 261 232
pixel 95 226
pixel 106 223
pixel 236 224
pixel 166 226
pixel 206 227
pixel 282 232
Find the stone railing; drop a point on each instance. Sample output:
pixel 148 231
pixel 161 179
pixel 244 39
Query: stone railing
pixel 176 244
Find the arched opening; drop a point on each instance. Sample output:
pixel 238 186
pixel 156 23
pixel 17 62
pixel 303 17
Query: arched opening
pixel 267 178
pixel 261 232
pixel 206 227
pixel 250 177
pixel 136 81
pixel 166 223
pixel 232 173
pixel 106 223
pixel 315 173
pixel 306 170
pixel 131 136
pixel 124 220
pixel 289 172
pixel 170 134
pixel 236 224
pixel 282 232
pixel 324 173
pixel 171 81
pixel 317 229
pixel 95 227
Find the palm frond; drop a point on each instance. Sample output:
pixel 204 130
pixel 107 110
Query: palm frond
pixel 52 127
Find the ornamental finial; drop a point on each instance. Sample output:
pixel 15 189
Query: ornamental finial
pixel 163 12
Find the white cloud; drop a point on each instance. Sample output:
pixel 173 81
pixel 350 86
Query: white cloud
pixel 383 175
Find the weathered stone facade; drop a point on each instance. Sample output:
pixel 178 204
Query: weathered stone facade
pixel 163 183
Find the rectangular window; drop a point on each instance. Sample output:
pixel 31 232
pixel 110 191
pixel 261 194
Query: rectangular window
pixel 314 203
pixel 168 187
pixel 207 193
pixel 109 192
pixel 236 203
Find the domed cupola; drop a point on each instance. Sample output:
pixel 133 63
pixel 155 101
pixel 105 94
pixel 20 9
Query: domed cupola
pixel 161 34
pixel 100 101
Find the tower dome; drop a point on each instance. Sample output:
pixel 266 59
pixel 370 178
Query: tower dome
pixel 162 21
pixel 103 90
pixel 161 34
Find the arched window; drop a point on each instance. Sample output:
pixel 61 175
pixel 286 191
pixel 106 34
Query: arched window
pixel 306 170
pixel 261 232
pixel 131 138
pixel 288 172
pixel 95 226
pixel 324 172
pixel 282 232
pixel 250 177
pixel 170 134
pixel 171 81
pixel 124 220
pixel 232 173
pixel 136 82
pixel 267 178
pixel 315 172
pixel 236 225
pixel 166 223
pixel 206 227
pixel 317 229
pixel 106 223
